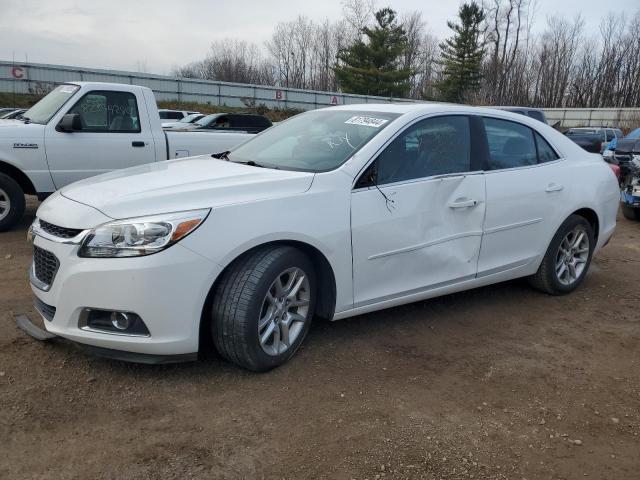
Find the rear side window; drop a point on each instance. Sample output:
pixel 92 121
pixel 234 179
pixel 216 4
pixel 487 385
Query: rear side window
pixel 108 111
pixel 545 152
pixel 435 146
pixel 511 144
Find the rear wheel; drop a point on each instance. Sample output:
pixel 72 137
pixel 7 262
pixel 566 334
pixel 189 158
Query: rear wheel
pixel 263 306
pixel 567 259
pixel 12 202
pixel 630 213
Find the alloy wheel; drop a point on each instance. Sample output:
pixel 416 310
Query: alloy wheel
pixel 572 256
pixel 284 311
pixel 5 204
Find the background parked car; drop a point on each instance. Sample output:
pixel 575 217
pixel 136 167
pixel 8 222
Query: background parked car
pixel 625 149
pixel 15 114
pixel 5 110
pixel 237 122
pixel 173 115
pixel 184 122
pixel 587 137
pixel 526 111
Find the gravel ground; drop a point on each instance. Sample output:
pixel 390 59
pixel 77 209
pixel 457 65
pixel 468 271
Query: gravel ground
pixel 499 382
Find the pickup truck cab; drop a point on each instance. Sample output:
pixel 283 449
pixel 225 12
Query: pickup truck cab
pixel 82 129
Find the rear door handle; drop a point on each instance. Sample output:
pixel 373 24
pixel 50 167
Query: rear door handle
pixel 463 203
pixel 137 144
pixel 554 187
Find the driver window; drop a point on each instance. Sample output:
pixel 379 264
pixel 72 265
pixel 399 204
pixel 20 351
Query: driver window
pixel 108 112
pixel 435 146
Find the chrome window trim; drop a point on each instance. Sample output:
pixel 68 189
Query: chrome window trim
pixel 420 180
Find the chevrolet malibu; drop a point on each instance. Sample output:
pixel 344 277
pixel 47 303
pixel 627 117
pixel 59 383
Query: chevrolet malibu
pixel 333 213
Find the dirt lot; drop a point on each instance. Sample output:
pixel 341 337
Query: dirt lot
pixel 500 382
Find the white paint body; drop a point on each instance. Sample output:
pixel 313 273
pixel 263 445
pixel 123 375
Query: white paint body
pixel 59 158
pixel 430 244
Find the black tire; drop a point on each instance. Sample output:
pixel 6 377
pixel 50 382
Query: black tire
pixel 10 191
pixel 239 300
pixel 546 278
pixel 630 213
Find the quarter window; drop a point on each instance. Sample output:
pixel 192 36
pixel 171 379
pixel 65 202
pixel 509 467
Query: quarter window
pixel 434 146
pixel 511 144
pixel 108 112
pixel 545 152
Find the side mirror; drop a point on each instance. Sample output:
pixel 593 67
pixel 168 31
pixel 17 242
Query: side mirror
pixel 70 122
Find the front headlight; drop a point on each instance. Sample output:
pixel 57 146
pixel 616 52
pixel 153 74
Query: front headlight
pixel 136 237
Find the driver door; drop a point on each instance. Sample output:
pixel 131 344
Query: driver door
pixel 417 213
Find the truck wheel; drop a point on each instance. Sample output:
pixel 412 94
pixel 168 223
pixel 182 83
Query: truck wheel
pixel 263 306
pixel 567 259
pixel 11 202
pixel 630 213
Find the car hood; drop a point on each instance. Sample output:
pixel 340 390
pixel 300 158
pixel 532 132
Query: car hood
pixel 183 184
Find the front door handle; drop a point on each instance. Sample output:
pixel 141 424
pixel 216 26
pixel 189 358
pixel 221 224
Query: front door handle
pixel 137 144
pixel 463 203
pixel 554 187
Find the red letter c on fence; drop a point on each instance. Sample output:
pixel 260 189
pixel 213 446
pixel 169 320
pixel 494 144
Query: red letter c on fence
pixel 17 72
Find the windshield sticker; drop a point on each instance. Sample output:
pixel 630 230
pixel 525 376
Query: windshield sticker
pixel 68 89
pixel 367 121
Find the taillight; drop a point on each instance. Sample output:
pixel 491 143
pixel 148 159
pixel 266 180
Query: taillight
pixel 615 169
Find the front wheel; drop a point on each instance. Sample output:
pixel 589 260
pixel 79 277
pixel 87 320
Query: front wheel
pixel 567 259
pixel 263 306
pixel 12 202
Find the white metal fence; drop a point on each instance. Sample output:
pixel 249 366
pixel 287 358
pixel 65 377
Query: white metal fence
pixel 40 78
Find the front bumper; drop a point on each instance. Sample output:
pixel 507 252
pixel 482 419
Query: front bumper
pixel 167 290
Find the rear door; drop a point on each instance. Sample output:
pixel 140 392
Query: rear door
pixel 417 212
pixel 526 183
pixel 113 136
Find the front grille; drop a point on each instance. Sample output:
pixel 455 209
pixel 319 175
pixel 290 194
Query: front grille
pixel 57 231
pixel 47 311
pixel 45 265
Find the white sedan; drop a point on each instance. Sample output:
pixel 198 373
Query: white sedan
pixel 333 213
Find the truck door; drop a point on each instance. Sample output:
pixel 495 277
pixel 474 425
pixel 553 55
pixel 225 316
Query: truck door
pixel 111 135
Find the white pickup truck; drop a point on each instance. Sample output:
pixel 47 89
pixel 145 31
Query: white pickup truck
pixel 82 129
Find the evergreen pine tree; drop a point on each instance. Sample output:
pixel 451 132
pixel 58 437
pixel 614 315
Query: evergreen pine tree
pixel 373 67
pixel 462 55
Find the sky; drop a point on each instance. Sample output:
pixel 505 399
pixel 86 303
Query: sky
pixel 158 35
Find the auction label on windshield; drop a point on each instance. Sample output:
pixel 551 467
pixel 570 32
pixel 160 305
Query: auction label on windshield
pixel 367 121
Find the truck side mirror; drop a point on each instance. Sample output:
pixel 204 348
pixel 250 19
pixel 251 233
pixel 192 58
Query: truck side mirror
pixel 70 122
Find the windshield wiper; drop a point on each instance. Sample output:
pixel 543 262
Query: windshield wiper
pixel 222 155
pixel 251 163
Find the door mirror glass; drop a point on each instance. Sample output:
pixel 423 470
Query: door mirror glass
pixel 70 123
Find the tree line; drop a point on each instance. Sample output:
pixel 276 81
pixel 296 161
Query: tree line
pixel 493 56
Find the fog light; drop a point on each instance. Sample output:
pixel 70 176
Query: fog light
pixel 109 321
pixel 120 320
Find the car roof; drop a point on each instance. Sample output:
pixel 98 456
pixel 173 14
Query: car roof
pixel 419 109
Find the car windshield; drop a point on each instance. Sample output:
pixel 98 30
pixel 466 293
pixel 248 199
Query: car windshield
pixel 46 108
pixel 190 118
pixel 205 121
pixel 314 141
